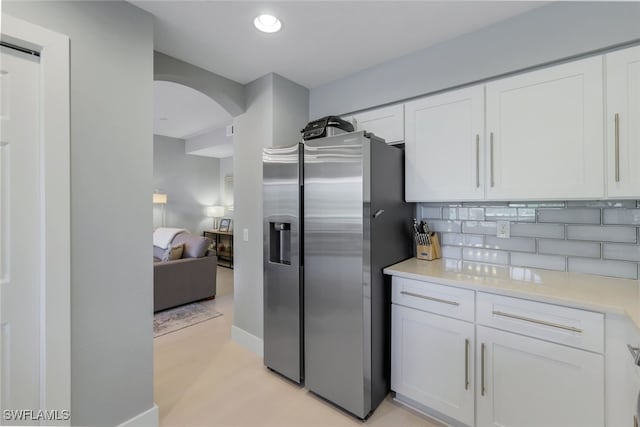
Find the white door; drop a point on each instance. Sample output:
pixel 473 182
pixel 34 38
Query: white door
pixel 623 123
pixel 20 230
pixel 525 382
pixel 545 134
pixel 444 140
pixel 386 122
pixel 432 361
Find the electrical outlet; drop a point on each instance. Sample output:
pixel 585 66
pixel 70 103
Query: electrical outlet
pixel 245 234
pixel 503 229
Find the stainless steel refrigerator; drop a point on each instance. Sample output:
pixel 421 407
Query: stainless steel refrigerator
pixel 333 221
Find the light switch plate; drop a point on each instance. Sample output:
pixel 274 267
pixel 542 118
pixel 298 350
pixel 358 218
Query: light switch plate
pixel 245 234
pixel 503 229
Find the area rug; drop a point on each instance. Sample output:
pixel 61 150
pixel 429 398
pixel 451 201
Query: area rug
pixel 174 319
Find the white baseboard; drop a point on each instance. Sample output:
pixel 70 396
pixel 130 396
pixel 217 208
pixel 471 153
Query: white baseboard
pixel 247 340
pixel 148 418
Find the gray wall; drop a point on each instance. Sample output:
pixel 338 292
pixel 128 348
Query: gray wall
pixel 226 168
pixel 253 131
pixel 191 183
pixel 276 109
pixel 228 93
pixel 550 33
pixel 290 111
pixel 206 140
pixel 111 183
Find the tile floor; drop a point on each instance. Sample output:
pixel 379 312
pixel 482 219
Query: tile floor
pixel 202 378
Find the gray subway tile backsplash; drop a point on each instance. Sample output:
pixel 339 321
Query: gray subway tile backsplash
pixel 501 213
pixel 621 216
pixel 592 237
pixel 548 262
pixel 603 203
pixel 552 231
pixel 449 213
pixel 485 255
pixel 445 226
pixel 479 227
pixel 431 212
pixel 521 244
pixel 458 239
pixel 620 251
pixel 452 252
pixel 607 233
pixel 569 247
pixel 570 216
pixel 471 213
pixel 623 269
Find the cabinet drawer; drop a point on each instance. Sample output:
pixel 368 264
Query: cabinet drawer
pixel 569 326
pixel 440 299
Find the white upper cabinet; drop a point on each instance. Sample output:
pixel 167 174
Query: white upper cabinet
pixel 623 123
pixel 545 134
pixel 444 147
pixel 386 122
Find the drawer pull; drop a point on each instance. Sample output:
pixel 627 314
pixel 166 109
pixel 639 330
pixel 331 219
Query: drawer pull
pixel 466 364
pixel 444 301
pixel 482 385
pixel 539 322
pixel 491 157
pixel 477 161
pixel 617 145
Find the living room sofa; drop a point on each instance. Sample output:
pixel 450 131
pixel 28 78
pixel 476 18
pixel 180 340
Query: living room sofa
pixel 188 279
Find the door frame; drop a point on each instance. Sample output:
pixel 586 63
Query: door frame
pixel 55 219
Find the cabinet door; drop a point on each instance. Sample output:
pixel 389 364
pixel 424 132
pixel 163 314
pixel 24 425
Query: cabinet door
pixel 444 137
pixel 525 382
pixel 386 122
pixel 432 361
pixel 623 123
pixel 545 131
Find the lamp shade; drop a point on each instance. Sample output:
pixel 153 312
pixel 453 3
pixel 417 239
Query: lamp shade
pixel 215 211
pixel 159 198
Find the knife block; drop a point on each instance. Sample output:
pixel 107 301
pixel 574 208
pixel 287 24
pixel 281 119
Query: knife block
pixel 429 252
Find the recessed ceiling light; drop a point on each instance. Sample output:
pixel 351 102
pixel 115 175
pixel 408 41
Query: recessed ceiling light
pixel 267 23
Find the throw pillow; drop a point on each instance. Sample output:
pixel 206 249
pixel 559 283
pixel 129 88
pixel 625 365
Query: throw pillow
pixel 173 252
pixel 176 252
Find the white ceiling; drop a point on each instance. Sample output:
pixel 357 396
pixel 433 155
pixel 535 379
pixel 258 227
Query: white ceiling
pixel 320 41
pixel 187 111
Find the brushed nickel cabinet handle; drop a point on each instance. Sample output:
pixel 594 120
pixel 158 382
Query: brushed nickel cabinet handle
pixel 617 144
pixel 482 385
pixel 444 301
pixel 537 321
pixel 477 161
pixel 491 158
pixel 466 364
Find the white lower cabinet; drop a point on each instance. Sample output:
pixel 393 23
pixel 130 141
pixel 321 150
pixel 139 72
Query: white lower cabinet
pixel 526 382
pixel 432 362
pixel 511 362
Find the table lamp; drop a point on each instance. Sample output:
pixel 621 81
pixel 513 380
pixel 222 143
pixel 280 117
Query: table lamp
pixel 215 212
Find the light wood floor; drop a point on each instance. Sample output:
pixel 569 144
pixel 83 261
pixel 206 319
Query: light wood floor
pixel 202 378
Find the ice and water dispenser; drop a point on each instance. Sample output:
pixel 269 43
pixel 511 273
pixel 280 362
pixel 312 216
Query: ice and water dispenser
pixel 280 242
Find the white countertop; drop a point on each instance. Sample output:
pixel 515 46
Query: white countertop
pixel 589 292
